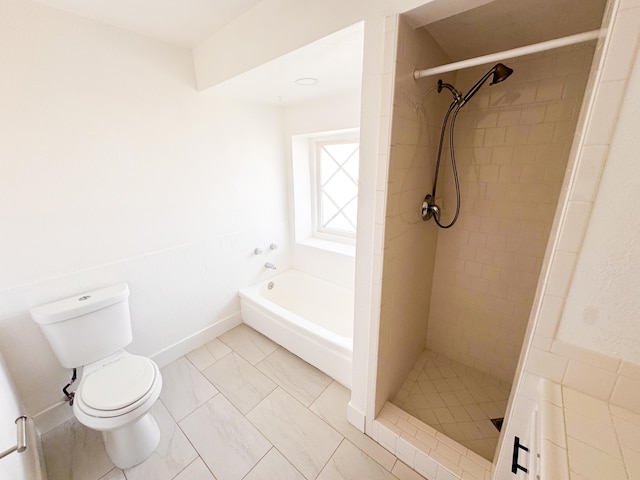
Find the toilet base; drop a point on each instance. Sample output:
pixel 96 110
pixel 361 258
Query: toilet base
pixel 132 444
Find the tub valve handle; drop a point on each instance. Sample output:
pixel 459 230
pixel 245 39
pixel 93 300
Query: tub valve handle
pixel 269 265
pixel 273 246
pixel 257 251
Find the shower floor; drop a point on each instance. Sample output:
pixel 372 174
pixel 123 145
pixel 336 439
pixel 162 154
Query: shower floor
pixel 456 400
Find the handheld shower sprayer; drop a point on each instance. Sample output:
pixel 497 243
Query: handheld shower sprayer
pixel 429 208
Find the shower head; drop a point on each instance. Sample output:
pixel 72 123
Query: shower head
pixel 499 71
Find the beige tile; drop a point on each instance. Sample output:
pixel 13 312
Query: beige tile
pixel 72 451
pixel 184 388
pixel 248 343
pixel 426 466
pixel 239 381
pixel 545 364
pixel 553 461
pixel 304 439
pixel 589 379
pixel 403 472
pixel 350 463
pixel 301 380
pixel 552 423
pixel 605 113
pixel 208 354
pixel 331 406
pixel 593 463
pixel 631 370
pixel 590 165
pixel 632 462
pixel 115 474
pixel 197 470
pixel 225 440
pixel 584 355
pixel 600 435
pixel 274 465
pixel 626 394
pixel 586 405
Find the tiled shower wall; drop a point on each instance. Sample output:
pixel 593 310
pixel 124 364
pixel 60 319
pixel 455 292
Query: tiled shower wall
pixel 409 243
pixel 512 143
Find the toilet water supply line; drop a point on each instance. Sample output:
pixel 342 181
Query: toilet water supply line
pixel 70 395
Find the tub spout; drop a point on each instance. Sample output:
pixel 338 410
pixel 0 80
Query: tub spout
pixel 269 265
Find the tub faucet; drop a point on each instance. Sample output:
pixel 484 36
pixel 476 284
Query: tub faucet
pixel 269 265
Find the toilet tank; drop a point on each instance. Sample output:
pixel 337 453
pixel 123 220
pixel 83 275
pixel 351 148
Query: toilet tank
pixel 87 327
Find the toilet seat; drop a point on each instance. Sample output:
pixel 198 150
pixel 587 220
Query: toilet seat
pixel 118 387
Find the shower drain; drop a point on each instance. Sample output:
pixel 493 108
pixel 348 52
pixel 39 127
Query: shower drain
pixel 497 422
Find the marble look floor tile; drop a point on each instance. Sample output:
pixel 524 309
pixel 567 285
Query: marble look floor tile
pixel 274 466
pixel 184 388
pixel 251 345
pixel 239 381
pixel 303 381
pixel 208 354
pixel 350 463
pixel 115 474
pixel 73 451
pixel 331 406
pixel 197 470
pixel 303 438
pixel 173 454
pixel 224 438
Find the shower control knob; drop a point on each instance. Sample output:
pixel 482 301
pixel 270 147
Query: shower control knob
pixel 273 246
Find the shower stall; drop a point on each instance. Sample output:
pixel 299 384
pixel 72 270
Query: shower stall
pixel 455 301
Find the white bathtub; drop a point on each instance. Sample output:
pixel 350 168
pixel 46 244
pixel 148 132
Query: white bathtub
pixel 308 316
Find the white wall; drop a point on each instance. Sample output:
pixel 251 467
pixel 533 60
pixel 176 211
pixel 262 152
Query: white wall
pixel 303 118
pixel 114 168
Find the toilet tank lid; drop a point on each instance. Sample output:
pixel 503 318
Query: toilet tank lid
pixel 79 304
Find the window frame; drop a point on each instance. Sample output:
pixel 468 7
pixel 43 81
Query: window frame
pixel 303 201
pixel 317 144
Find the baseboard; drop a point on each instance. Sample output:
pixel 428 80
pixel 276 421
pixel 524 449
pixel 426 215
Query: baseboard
pixel 356 417
pixel 52 417
pixel 184 346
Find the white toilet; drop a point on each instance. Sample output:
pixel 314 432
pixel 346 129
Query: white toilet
pixel 116 389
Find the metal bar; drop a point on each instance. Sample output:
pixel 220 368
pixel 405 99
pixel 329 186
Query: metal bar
pixel 515 52
pixel 517 446
pixel 21 442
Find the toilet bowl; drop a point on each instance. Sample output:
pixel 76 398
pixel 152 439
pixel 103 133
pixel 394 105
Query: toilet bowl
pixel 114 397
pixel 117 389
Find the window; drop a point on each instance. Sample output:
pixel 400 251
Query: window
pixel 325 186
pixel 336 187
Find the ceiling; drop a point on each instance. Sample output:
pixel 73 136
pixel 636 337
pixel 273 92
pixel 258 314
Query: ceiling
pixel 184 23
pixel 336 60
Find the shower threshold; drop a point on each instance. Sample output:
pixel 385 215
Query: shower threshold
pixel 457 400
